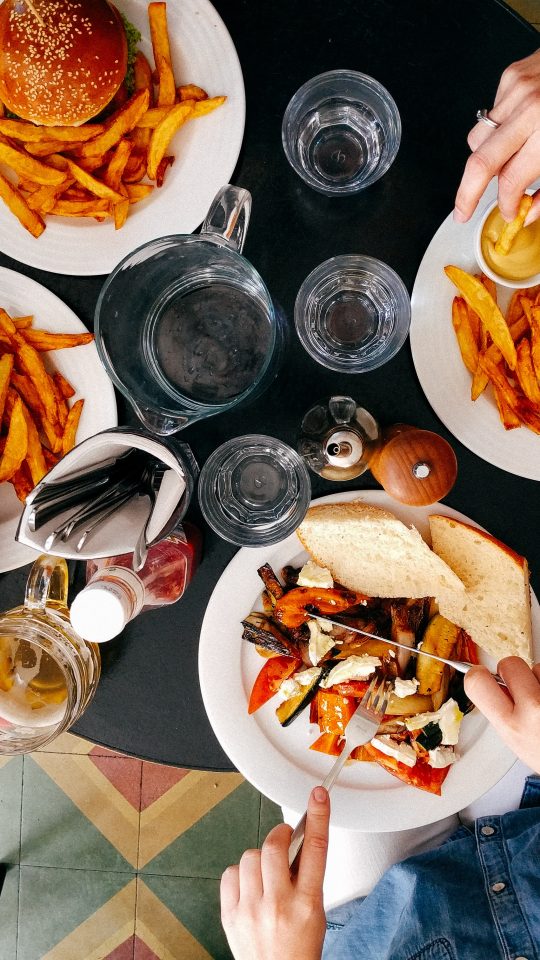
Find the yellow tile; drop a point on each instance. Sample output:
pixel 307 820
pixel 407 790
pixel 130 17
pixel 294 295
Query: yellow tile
pixel 159 929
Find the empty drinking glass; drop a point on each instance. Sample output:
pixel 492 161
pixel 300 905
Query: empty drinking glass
pixel 254 490
pixel 341 132
pixel 352 313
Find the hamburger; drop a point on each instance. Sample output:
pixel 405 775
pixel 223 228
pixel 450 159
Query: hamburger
pixel 62 61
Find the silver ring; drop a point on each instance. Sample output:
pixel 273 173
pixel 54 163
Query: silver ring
pixel 483 116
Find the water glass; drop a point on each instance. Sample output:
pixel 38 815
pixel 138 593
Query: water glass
pixel 352 313
pixel 341 132
pixel 254 490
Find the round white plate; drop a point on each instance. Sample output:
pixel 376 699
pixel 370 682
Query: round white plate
pixel 21 296
pixel 206 152
pixel 441 371
pixel 278 761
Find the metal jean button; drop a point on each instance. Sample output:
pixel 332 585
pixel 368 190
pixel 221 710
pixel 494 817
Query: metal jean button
pixel 497 887
pixel 487 831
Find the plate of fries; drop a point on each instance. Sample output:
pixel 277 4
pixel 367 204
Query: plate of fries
pixel 476 349
pixel 92 194
pixel 53 394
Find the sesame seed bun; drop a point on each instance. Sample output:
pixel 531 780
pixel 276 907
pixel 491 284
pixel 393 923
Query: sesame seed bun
pixel 67 71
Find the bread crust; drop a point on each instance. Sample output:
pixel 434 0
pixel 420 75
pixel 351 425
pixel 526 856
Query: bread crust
pixel 68 72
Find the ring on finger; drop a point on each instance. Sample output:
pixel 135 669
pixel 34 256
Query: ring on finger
pixel 483 117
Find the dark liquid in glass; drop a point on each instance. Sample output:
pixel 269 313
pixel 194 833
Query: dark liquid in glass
pixel 211 342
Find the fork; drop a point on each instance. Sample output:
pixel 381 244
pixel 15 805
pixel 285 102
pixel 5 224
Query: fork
pixel 362 726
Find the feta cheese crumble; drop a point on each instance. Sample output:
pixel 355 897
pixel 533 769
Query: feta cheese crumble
pixel 311 575
pixel 292 686
pixel 403 752
pixel 405 688
pixel 449 718
pixel 353 668
pixel 441 757
pixel 320 641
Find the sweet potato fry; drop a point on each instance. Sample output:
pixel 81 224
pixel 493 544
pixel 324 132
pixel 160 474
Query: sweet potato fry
pixel 510 230
pixel 480 300
pixel 14 199
pixel 490 285
pixel 16 443
pixel 465 337
pixel 481 379
pixel 157 18
pixel 514 310
pixel 70 430
pixel 45 340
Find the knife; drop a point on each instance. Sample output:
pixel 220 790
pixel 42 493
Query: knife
pixel 459 665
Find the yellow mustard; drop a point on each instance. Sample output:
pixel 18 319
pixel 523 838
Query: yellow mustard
pixel 523 260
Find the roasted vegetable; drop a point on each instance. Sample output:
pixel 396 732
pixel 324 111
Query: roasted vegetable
pixel 291 708
pixel 298 605
pixel 273 587
pixel 430 737
pixel 408 706
pixel 440 638
pixel 260 630
pixel 269 680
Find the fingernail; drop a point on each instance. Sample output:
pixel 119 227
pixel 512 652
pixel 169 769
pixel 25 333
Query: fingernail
pixel 459 216
pixel 320 795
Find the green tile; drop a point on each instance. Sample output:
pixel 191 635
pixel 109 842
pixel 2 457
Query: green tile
pixel 53 902
pixel 55 833
pixel 10 810
pixel 8 913
pixel 215 841
pixel 195 902
pixel 270 816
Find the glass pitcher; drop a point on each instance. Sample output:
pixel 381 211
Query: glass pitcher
pixel 185 326
pixel 48 675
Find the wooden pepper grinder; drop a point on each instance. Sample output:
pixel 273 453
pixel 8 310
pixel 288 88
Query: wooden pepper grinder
pixel 341 440
pixel 414 466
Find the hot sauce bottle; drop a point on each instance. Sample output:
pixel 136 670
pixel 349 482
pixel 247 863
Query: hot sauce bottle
pixel 114 594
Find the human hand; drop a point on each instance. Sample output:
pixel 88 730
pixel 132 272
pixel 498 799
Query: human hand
pixel 266 912
pixel 512 152
pixel 516 718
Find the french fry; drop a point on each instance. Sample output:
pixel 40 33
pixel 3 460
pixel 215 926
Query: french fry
pixel 480 300
pixel 27 166
pixel 45 340
pixel 510 230
pixel 22 323
pixel 490 285
pixel 136 165
pixel 6 367
pixel 138 191
pixel 465 337
pixel 24 386
pixel 535 339
pixel 91 183
pixel 123 121
pixel 508 418
pixel 480 379
pixel 7 327
pixel 163 166
pixel 152 117
pixel 98 209
pixel 28 133
pixel 45 149
pixel 12 197
pixel 34 453
pixel 157 18
pixel 117 164
pixel 32 365
pixel 142 73
pixel 16 443
pixel 521 406
pixel 514 310
pixel 525 372
pixel 63 385
pixel 44 199
pixel 61 404
pixel 190 91
pixel 164 132
pixel 120 212
pixel 70 430
pixel 22 482
pixel 202 107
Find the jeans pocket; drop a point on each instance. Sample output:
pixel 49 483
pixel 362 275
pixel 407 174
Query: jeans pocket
pixel 439 949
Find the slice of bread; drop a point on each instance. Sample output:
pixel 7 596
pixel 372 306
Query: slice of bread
pixel 369 550
pixel 496 608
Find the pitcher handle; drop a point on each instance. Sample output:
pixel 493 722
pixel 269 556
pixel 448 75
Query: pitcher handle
pixel 47 584
pixel 228 216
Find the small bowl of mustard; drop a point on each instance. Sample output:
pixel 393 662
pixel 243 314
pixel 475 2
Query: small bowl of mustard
pixel 520 267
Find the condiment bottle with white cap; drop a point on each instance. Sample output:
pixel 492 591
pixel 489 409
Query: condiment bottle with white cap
pixel 114 594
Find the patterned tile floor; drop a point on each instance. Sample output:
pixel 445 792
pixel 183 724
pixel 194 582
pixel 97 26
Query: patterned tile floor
pixel 113 858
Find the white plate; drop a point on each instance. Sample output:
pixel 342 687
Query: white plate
pixel 441 371
pixel 206 152
pixel 276 760
pixel 21 296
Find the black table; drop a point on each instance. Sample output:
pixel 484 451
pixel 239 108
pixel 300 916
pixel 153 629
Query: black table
pixel 441 61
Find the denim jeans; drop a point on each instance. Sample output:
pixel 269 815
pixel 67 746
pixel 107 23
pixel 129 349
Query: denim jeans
pixel 477 897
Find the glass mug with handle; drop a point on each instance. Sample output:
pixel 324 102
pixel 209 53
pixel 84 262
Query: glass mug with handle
pixel 185 326
pixel 48 675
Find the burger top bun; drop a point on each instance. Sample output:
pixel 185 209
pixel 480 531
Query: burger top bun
pixel 67 71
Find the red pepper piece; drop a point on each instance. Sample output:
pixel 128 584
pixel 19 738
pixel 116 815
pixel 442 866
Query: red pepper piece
pixel 269 680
